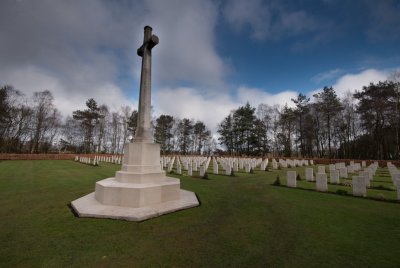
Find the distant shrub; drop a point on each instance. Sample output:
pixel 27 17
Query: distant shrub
pixel 232 173
pixel 346 183
pixel 251 170
pixel 277 181
pixel 381 196
pixel 266 169
pixel 171 172
pixel 341 192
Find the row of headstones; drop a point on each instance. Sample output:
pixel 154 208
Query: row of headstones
pixel 395 176
pixel 289 163
pixel 193 164
pixel 263 164
pixel 359 183
pixel 229 164
pixel 114 159
pixel 341 170
pixel 201 164
pixel 190 164
pixel 99 158
pixel 86 160
pixel 169 161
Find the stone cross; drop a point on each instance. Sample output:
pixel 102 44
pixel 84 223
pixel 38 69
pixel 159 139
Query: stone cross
pixel 143 132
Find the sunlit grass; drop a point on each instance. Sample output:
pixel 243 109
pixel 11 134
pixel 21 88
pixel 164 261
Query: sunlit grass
pixel 242 221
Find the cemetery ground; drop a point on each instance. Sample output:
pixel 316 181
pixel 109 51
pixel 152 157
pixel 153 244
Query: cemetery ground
pixel 242 221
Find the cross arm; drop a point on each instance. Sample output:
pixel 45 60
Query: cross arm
pixel 152 42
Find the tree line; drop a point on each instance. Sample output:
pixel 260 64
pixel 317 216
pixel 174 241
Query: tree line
pixel 36 126
pixel 363 125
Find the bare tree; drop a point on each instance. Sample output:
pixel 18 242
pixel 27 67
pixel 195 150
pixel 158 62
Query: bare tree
pixel 43 108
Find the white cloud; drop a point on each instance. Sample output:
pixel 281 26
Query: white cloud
pixel 352 82
pixel 191 103
pixel 212 109
pixel 355 81
pixel 253 13
pixel 318 78
pixel 87 49
pixel 31 79
pixel 186 52
pixel 68 48
pixel 255 96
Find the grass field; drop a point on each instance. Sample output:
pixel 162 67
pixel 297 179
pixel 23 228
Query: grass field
pixel 243 221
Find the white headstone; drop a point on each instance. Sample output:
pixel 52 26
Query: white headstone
pixel 359 186
pixel 309 174
pixel 274 164
pixel 194 166
pixel 350 169
pixel 365 175
pixel 332 167
pixel 321 169
pixel 247 168
pixel 202 171
pixel 178 169
pixel 190 170
pixel 363 164
pixel 228 170
pixel 343 172
pixel 262 166
pixel 334 176
pixel 291 179
pixel 322 182
pixel 215 168
pixel 235 166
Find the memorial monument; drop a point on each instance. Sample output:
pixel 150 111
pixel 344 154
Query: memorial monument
pixel 141 189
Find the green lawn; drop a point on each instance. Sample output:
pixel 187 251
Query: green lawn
pixel 242 221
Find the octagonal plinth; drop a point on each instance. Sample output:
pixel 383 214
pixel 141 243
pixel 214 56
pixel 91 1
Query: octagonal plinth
pixel 115 193
pixel 88 206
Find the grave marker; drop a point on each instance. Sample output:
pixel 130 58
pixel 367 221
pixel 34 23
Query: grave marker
pixel 291 179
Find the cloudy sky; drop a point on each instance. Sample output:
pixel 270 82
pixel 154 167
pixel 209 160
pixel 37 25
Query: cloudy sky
pixel 213 55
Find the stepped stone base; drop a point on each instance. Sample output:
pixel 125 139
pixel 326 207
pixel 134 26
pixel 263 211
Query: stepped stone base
pixel 88 206
pixel 139 191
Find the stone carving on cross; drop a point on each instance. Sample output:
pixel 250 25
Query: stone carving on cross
pixel 143 132
pixel 149 41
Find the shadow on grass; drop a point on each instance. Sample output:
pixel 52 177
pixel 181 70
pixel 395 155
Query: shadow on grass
pixel 381 187
pixel 374 180
pixel 342 193
pixel 72 210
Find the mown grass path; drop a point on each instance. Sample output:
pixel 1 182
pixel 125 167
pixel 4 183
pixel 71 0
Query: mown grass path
pixel 243 221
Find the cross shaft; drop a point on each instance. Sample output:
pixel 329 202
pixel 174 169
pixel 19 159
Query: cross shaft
pixel 143 132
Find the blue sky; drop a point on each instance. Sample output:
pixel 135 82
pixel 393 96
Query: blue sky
pixel 213 55
pixel 341 37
